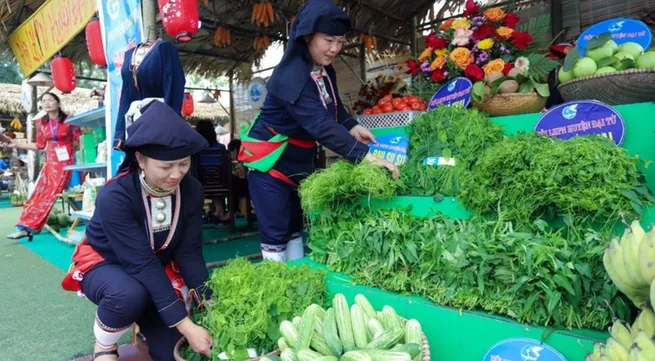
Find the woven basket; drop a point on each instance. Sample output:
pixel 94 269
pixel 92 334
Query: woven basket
pixel 512 104
pixel 621 87
pixel 182 341
pixel 425 350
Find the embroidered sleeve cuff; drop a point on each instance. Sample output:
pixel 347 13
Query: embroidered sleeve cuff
pixel 173 313
pixel 357 152
pixel 118 144
pixel 350 123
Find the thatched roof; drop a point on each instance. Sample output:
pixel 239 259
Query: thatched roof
pixel 389 20
pixel 80 101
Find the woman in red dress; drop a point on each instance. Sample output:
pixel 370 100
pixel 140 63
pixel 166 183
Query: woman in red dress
pixel 58 140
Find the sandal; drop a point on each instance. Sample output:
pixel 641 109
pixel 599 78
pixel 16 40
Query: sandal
pixel 104 353
pixel 21 234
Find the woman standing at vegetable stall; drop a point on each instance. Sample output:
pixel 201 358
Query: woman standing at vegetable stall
pixel 57 139
pixel 302 107
pixel 141 261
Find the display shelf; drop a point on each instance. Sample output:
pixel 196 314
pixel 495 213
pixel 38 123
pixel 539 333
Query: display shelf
pixel 84 167
pixel 93 118
pixel 86 215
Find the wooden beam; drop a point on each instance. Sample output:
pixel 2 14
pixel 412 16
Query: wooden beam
pixel 383 12
pixel 556 17
pixel 243 32
pixel 213 55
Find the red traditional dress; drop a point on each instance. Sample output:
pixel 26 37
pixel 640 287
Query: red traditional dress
pixel 57 139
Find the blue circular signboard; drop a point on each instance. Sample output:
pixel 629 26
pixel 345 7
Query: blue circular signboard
pixel 622 30
pixel 456 92
pixel 580 118
pixel 522 349
pixel 392 147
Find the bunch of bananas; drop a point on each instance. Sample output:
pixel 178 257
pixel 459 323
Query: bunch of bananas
pixel 630 263
pixel 222 37
pixel 16 124
pixel 628 343
pixel 262 14
pixel 261 43
pixel 369 41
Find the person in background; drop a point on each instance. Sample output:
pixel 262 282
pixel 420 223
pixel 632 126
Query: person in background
pixel 223 135
pixel 141 261
pixel 59 141
pixel 302 107
pixel 211 154
pixel 239 179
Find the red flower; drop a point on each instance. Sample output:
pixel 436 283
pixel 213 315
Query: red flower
pixel 474 72
pixel 413 67
pixel 484 31
pixel 471 8
pixel 437 76
pixel 511 20
pixel 521 40
pixel 508 67
pixel 435 42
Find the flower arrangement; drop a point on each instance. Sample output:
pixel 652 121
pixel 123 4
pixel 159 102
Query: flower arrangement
pixel 478 44
pixel 370 93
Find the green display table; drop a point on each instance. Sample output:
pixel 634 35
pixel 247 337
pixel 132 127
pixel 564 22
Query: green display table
pixel 459 334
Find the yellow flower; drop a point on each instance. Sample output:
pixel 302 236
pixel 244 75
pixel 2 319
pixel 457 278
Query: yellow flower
pixel 504 32
pixel 425 55
pixel 494 65
pixel 495 14
pixel 485 44
pixel 438 63
pixel 440 52
pixel 462 57
pixel 461 23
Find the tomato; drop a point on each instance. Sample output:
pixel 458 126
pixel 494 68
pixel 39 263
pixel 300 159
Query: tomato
pixel 367 112
pixel 385 99
pixel 376 111
pixel 424 106
pixel 414 98
pixel 397 103
pixel 376 107
pixel 387 108
pixel 405 108
pixel 416 105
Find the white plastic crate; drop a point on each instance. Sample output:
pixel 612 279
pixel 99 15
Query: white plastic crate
pixel 388 120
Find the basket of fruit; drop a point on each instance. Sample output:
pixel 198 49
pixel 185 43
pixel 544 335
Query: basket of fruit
pixel 392 112
pixel 509 94
pixel 609 73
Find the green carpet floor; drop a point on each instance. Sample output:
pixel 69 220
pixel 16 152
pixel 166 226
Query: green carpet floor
pixel 41 321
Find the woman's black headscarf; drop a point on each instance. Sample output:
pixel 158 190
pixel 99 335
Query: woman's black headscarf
pixel 293 72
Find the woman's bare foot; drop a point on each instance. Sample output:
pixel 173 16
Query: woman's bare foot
pixel 104 354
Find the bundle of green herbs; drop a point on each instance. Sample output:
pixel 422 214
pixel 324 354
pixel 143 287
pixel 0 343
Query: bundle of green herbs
pixel 447 132
pixel 530 177
pixel 542 277
pixel 342 183
pixel 252 299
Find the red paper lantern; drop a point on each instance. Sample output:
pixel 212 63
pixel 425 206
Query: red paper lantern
pixel 63 74
pixel 94 43
pixel 180 18
pixel 187 105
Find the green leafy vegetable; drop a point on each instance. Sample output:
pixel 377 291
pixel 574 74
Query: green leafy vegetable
pixel 531 176
pixel 251 300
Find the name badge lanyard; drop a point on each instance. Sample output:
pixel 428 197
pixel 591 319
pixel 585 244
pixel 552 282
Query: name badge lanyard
pixel 54 131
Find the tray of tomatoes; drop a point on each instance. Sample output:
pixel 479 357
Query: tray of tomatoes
pixel 389 104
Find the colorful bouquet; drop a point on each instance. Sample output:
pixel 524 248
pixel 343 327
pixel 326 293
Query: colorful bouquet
pixel 479 44
pixel 370 93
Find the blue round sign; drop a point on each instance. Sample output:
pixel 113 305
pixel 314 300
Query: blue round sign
pixel 456 92
pixel 392 147
pixel 580 118
pixel 524 349
pixel 623 30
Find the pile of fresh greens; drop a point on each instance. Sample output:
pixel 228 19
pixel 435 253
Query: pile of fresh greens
pixel 542 277
pixel 532 177
pixel 251 300
pixel 448 132
pixel 342 183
